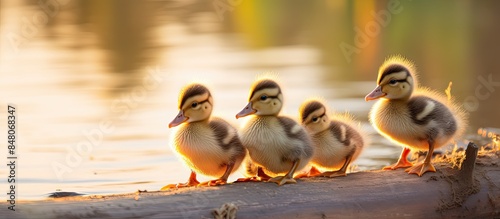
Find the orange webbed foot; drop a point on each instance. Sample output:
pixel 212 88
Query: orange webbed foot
pixel 179 185
pixel 192 181
pixel 402 161
pixel 313 172
pixel 399 164
pixel 420 169
pixel 216 182
pixel 250 179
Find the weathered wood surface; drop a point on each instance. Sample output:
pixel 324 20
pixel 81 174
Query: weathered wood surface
pixel 372 194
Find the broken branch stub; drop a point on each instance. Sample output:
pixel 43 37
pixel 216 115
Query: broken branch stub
pixel 467 169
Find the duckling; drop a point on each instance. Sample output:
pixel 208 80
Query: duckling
pixel 208 145
pixel 336 142
pixel 414 117
pixel 276 144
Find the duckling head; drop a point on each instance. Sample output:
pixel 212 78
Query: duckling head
pixel 195 104
pixel 313 116
pixel 396 80
pixel 265 99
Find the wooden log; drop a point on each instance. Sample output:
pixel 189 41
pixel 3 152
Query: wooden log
pixel 473 191
pixel 463 183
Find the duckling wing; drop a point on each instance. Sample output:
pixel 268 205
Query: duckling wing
pixel 346 134
pixel 226 136
pixel 297 135
pixel 435 116
pixel 341 132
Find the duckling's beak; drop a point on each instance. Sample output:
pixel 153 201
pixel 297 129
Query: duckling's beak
pixel 179 119
pixel 375 94
pixel 248 110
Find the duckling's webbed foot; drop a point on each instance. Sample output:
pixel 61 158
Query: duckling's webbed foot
pixel 341 172
pixel 402 162
pixel 332 174
pixel 426 166
pixel 288 178
pixel 222 180
pixel 399 164
pixel 192 181
pixel 216 182
pixel 248 179
pixel 261 177
pixel 169 186
pixel 312 173
pixel 281 180
pixel 420 169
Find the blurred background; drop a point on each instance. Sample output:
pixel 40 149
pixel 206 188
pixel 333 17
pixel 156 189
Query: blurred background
pixel 95 82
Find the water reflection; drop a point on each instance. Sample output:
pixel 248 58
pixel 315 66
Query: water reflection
pixel 89 63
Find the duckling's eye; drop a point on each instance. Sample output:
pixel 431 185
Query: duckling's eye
pixel 393 81
pixel 263 97
pixel 315 119
pixel 193 105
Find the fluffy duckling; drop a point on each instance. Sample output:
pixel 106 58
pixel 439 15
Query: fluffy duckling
pixel 277 144
pixel 414 117
pixel 208 145
pixel 336 142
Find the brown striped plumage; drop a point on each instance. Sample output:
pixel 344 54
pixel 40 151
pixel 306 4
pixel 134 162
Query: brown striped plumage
pixel 337 141
pixel 277 144
pixel 208 145
pixel 412 116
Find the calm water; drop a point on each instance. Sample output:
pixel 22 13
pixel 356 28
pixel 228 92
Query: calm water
pixel 72 76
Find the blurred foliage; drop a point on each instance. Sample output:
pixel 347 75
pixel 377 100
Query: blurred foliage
pixel 448 40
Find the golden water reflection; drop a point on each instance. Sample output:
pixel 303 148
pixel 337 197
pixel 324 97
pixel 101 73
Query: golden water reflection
pixel 122 63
